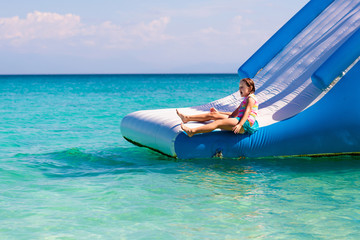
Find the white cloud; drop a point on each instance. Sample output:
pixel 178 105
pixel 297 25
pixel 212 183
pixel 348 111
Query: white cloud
pixel 209 30
pixel 38 25
pixel 239 23
pixel 53 26
pixel 153 30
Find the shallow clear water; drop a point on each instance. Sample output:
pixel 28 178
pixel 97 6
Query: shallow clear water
pixel 67 173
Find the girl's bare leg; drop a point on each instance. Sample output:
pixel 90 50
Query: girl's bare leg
pixel 225 124
pixel 201 117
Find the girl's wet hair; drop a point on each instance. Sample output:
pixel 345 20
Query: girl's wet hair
pixel 250 83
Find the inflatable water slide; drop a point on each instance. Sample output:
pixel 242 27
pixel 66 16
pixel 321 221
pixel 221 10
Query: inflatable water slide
pixel 307 78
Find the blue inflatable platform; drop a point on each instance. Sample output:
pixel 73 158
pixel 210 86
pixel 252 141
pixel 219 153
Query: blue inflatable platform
pixel 307 78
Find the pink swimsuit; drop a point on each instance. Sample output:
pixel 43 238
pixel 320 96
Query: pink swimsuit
pixel 254 110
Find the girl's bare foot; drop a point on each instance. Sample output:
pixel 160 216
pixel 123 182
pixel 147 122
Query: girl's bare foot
pixel 182 116
pixel 188 130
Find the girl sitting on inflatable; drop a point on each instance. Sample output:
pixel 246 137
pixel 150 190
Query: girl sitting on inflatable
pixel 242 120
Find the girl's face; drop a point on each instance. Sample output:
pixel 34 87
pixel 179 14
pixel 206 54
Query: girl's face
pixel 244 89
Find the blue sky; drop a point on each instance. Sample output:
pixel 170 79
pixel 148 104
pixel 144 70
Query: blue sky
pixel 138 36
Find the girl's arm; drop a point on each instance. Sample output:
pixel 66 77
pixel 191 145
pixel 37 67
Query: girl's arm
pixel 249 106
pixel 235 113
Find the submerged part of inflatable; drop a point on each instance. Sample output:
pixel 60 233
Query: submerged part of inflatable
pixel 307 78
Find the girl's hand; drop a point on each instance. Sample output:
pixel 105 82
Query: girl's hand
pixel 237 128
pixel 213 109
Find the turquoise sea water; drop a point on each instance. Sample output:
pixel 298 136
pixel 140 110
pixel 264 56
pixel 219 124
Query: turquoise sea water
pixel 67 173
